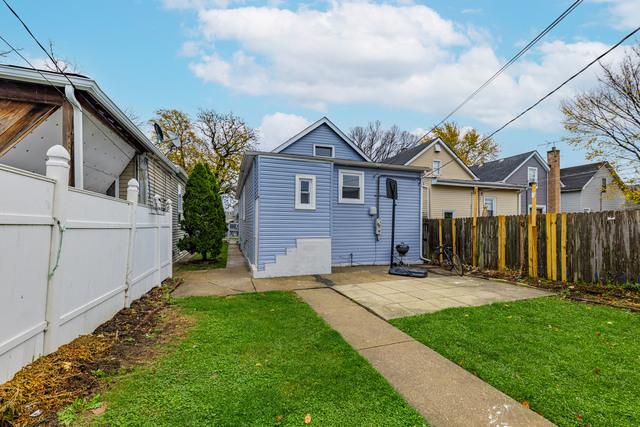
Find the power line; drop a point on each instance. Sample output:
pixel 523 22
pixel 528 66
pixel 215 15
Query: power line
pixel 555 22
pixel 86 115
pixel 583 69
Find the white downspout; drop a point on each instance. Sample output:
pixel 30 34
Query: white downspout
pixel 78 156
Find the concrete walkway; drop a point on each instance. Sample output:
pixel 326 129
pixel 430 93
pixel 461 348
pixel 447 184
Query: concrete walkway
pixel 444 393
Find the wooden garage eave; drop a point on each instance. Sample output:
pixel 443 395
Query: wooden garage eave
pixel 18 118
pixel 29 92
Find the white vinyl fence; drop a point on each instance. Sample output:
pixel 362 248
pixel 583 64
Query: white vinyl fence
pixel 70 259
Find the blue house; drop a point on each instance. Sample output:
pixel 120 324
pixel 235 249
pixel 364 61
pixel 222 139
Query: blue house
pixel 318 201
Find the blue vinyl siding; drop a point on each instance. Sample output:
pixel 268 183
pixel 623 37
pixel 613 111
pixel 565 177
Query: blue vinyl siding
pixel 323 135
pixel 353 238
pixel 280 224
pixel 246 234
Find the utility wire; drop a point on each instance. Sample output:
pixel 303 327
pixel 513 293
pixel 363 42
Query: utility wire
pixel 583 69
pixel 64 96
pixel 536 39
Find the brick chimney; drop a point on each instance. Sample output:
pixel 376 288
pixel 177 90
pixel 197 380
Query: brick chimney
pixel 553 184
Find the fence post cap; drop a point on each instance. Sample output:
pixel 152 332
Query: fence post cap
pixel 58 155
pixel 133 184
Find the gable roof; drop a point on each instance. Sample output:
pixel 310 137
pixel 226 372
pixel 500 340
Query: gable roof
pixel 576 177
pixel 314 126
pixel 89 86
pixel 502 169
pixel 405 157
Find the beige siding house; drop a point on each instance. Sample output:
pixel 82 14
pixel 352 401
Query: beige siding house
pixel 449 188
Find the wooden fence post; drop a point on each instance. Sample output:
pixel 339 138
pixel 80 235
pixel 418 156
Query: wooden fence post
pixel 474 237
pixel 553 228
pixel 440 237
pixel 563 247
pixel 533 236
pixel 453 235
pixel 502 243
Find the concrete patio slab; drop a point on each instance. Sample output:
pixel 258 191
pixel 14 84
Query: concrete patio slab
pixel 409 297
pixel 444 393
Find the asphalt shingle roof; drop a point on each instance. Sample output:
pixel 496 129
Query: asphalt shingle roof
pixel 574 178
pixel 404 156
pixel 498 170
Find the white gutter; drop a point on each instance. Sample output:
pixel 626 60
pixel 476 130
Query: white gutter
pixel 78 157
pixel 91 87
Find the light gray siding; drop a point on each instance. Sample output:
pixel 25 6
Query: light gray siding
pixel 520 177
pixel 570 201
pixel 246 220
pixel 353 237
pixel 323 135
pixel 280 224
pixel 593 198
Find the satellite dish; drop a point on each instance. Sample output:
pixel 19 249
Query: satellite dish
pixel 160 136
pixel 159 133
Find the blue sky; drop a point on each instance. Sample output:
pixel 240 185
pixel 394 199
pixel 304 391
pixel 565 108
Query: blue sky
pixel 282 64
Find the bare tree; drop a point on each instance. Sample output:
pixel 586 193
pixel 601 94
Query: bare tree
pixel 379 143
pixel 606 121
pixel 225 137
pixel 59 64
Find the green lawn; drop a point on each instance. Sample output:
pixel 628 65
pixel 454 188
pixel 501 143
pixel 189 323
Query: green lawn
pixel 576 364
pixel 256 359
pixel 196 263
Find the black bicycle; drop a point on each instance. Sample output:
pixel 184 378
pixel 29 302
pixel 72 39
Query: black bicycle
pixel 450 261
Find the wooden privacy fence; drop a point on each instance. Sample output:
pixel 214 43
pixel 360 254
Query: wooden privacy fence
pixel 591 247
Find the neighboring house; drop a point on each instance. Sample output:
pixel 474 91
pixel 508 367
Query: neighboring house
pixel 314 202
pixel 521 169
pixel 591 188
pixel 449 191
pixel 106 148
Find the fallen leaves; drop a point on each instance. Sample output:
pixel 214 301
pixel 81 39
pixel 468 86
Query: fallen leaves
pixel 525 403
pixel 307 419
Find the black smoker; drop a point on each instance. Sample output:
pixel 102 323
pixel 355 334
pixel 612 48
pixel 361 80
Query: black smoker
pixel 399 268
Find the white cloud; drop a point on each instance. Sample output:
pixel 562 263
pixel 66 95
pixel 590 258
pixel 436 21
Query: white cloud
pixel 278 127
pixel 396 55
pixel 625 14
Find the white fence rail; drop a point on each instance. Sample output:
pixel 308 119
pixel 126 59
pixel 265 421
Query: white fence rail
pixel 70 259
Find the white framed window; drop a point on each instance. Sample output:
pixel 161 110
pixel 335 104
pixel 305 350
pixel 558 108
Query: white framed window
pixel 305 192
pixel 351 187
pixel 532 174
pixel 586 210
pixel 539 208
pixel 435 166
pixel 320 150
pixel 490 206
pixel 243 206
pixel 448 214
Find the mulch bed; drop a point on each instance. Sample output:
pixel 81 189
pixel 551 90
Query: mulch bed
pixel 38 391
pixel 615 295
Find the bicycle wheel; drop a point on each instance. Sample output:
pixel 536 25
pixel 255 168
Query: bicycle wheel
pixel 457 264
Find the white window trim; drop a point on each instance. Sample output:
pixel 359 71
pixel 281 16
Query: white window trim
pixel 333 149
pixel 436 171
pixel 312 193
pixel 495 204
pixel 451 211
pixel 529 169
pixel 544 208
pixel 360 175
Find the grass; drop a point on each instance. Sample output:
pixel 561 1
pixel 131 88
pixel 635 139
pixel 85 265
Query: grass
pixel 196 263
pixel 576 364
pixel 256 359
